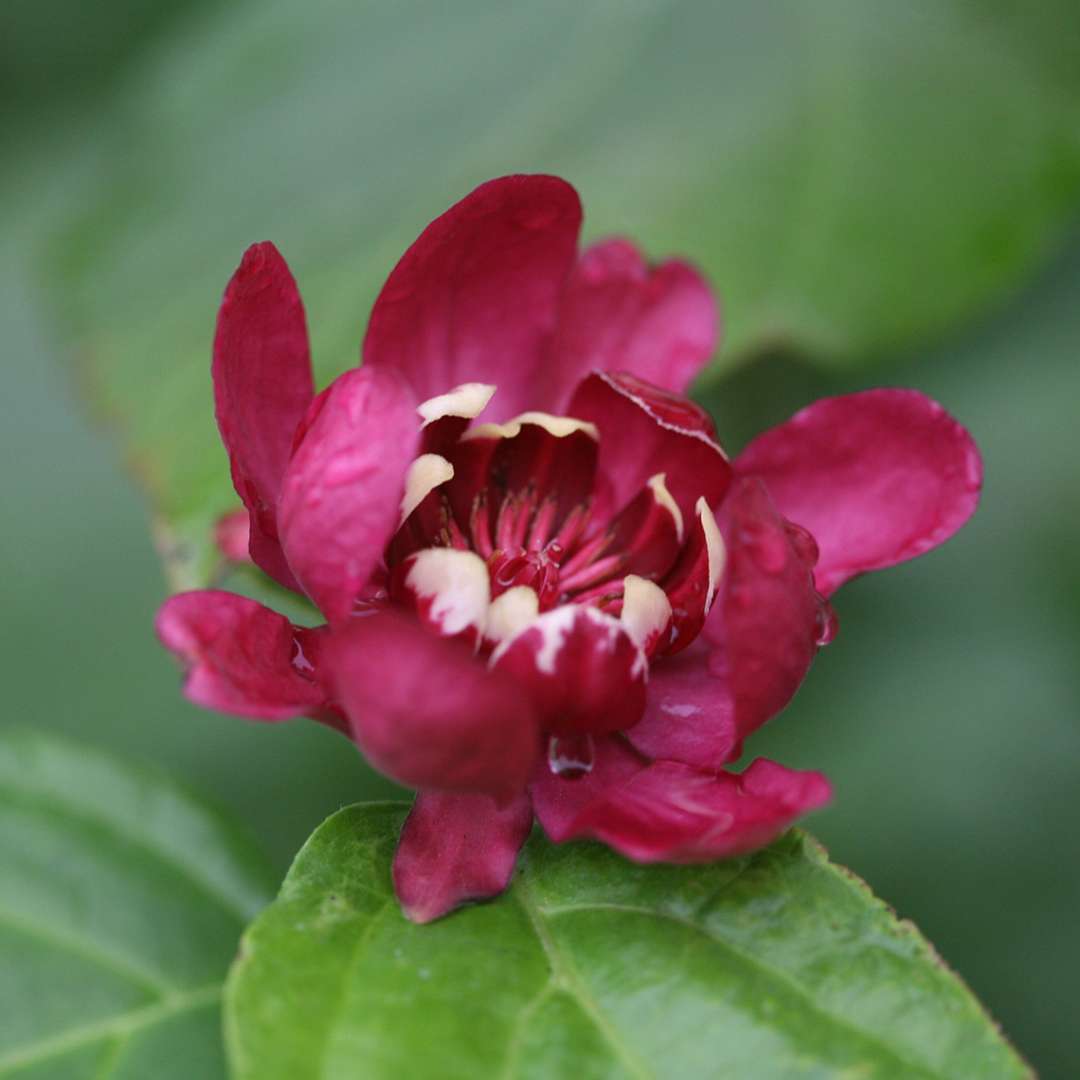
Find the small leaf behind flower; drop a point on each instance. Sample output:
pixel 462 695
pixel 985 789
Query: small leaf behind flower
pixel 121 901
pixel 775 965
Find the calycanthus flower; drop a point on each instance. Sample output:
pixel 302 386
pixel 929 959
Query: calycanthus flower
pixel 547 590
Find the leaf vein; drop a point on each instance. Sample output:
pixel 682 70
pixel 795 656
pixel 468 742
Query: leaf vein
pixel 913 1068
pixel 122 1025
pixel 564 975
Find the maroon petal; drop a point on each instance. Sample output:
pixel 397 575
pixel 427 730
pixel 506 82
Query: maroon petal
pixel 456 848
pixel 232 534
pixel 582 668
pixel 262 386
pixel 558 801
pixel 689 713
pixel 645 430
pixel 241 657
pixel 692 584
pixel 426 712
pixel 475 297
pixel 341 496
pixel 669 812
pixel 768 618
pixel 877 477
pixel 618 314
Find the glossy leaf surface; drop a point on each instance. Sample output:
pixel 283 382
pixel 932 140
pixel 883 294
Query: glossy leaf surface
pixel 121 902
pixel 776 965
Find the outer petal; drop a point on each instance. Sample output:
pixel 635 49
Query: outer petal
pixel 232 534
pixel 644 430
pixel 768 618
pixel 456 848
pixel 426 712
pixel 475 297
pixel 559 801
pixel 581 667
pixel 341 496
pixel 689 713
pixel 618 314
pixel 241 657
pixel 262 386
pixel 668 812
pixel 877 477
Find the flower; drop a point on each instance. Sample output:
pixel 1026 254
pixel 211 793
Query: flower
pixel 546 588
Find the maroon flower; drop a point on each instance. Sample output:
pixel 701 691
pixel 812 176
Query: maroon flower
pixel 576 606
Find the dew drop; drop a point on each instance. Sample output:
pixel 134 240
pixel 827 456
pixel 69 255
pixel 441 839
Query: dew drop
pixel 827 624
pixel 571 756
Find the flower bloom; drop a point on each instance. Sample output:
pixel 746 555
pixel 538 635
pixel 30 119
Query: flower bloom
pixel 546 588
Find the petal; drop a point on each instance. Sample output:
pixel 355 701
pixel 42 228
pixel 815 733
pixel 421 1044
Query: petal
pixel 262 387
pixel 232 534
pixel 341 496
pixel 669 812
pixel 426 712
pixel 618 314
pixel 582 668
pixel 878 477
pixel 768 618
pixel 241 657
pixel 689 713
pixel 559 801
pixel 692 584
pixel 645 430
pixel 475 297
pixel 456 848
pixel 449 590
pixel 447 416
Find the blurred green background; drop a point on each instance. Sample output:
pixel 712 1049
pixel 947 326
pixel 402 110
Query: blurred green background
pixel 883 194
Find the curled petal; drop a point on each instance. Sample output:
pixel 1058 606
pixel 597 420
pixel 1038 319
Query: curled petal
pixel 689 713
pixel 649 530
pixel 425 712
pixel 475 297
pixel 456 848
pixel 449 591
pixel 669 812
pixel 446 416
pixel 692 584
pixel 878 477
pixel 262 387
pixel 768 618
pixel 645 430
pixel 618 314
pixel 341 496
pixel 241 657
pixel 646 613
pixel 581 667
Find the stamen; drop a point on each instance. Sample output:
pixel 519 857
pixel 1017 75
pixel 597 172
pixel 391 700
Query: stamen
pixel 480 527
pixel 587 552
pixel 542 523
pixel 572 528
pixel 600 570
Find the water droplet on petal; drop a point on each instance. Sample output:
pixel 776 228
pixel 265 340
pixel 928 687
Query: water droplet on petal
pixel 827 624
pixel 571 756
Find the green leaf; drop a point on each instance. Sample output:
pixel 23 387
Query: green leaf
pixel 854 175
pixel 121 902
pixel 775 965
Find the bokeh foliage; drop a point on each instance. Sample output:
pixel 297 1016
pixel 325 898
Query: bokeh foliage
pixel 857 187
